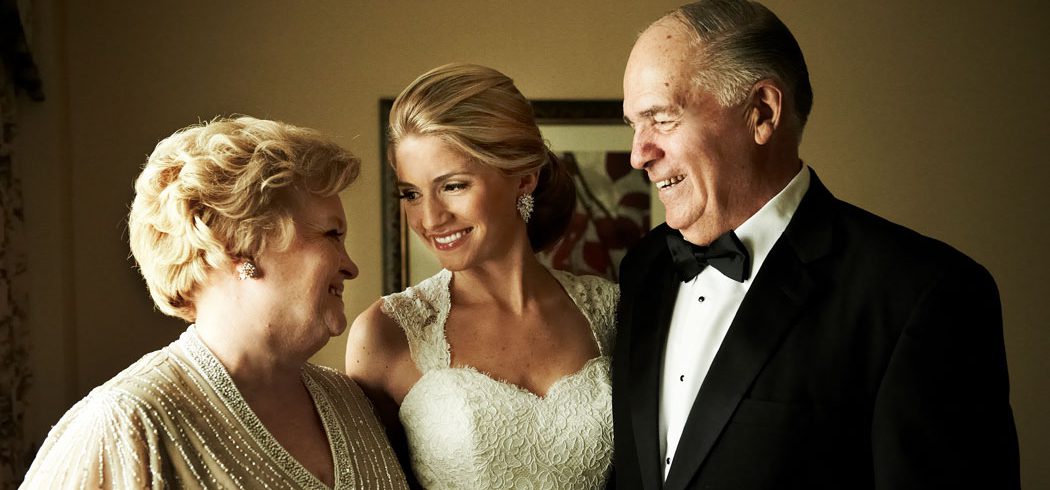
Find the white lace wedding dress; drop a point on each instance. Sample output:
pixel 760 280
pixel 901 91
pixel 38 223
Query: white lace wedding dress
pixel 468 430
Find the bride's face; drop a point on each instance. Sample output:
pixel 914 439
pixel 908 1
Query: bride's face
pixel 463 210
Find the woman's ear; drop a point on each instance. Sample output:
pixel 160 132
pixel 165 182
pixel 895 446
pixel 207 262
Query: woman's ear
pixel 527 183
pixel 765 107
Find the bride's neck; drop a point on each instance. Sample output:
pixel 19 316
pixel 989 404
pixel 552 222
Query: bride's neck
pixel 510 285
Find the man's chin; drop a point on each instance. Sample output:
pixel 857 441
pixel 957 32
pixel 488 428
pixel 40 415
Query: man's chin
pixel 693 230
pixel 679 223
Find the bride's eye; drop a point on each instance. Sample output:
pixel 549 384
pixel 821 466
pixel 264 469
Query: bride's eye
pixel 454 186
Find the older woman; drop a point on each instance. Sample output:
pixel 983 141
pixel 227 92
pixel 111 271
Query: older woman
pixel 238 228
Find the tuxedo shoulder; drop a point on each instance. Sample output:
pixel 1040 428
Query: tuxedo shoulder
pixel 648 247
pixel 895 246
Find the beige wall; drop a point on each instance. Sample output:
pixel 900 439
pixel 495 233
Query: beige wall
pixel 929 113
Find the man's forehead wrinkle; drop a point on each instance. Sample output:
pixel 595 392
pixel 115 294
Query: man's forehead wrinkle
pixel 676 47
pixel 659 79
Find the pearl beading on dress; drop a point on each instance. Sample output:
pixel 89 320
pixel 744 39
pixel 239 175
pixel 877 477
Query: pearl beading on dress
pixel 176 419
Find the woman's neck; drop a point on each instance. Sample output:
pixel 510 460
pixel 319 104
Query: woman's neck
pixel 511 284
pixel 255 361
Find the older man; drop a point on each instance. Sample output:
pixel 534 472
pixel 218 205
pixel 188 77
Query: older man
pixel 772 336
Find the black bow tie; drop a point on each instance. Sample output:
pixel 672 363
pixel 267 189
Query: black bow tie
pixel 726 253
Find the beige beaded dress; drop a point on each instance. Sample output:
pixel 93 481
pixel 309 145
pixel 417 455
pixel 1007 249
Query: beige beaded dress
pixel 174 419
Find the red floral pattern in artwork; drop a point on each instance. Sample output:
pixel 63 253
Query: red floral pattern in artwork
pixel 612 213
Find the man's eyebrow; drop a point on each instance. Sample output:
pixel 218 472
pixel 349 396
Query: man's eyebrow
pixel 651 112
pixel 660 109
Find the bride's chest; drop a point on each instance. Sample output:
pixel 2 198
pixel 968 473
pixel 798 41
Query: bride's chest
pixel 461 409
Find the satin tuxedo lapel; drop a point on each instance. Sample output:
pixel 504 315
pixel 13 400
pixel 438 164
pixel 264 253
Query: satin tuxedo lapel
pixel 653 307
pixel 768 312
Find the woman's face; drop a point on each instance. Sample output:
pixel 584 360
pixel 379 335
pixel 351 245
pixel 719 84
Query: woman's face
pixel 463 210
pixel 305 282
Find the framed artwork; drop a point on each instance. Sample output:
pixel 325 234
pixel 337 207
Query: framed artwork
pixel 614 207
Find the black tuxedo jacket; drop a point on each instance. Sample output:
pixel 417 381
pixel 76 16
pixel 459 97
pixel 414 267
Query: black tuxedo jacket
pixel 864 355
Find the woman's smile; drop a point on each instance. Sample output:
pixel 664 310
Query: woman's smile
pixel 451 240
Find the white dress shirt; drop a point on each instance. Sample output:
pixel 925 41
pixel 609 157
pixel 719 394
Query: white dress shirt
pixel 705 308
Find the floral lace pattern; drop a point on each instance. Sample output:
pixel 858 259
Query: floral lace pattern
pixel 468 430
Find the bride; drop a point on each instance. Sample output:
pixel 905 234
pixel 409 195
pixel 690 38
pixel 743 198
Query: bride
pixel 494 373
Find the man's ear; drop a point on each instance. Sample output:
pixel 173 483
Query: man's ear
pixel 765 106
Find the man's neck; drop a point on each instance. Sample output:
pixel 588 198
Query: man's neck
pixel 760 191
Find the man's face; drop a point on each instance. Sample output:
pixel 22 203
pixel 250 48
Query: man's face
pixel 696 151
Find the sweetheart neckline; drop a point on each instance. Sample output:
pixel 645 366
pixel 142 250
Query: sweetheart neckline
pixel 558 383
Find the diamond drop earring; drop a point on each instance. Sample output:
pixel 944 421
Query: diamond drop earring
pixel 525 205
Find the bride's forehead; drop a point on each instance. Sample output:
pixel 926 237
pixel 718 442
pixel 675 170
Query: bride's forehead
pixel 424 171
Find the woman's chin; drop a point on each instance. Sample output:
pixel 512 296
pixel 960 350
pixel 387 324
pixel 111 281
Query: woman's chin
pixel 337 326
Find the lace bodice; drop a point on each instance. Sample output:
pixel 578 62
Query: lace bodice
pixel 466 429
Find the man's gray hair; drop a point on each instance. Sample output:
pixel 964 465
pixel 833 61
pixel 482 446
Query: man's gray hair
pixel 738 43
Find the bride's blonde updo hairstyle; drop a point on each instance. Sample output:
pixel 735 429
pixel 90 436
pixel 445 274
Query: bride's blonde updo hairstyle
pixel 224 190
pixel 479 112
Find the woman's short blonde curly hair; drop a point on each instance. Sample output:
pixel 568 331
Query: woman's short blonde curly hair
pixel 221 190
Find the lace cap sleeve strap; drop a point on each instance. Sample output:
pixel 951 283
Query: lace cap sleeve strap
pixel 596 297
pixel 421 311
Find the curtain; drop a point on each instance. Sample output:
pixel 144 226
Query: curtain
pixel 18 76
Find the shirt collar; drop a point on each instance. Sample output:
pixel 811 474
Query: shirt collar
pixel 762 230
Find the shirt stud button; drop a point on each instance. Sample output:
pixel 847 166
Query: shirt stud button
pixel 681 378
pixel 668 460
pixel 701 299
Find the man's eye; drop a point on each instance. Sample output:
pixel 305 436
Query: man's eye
pixel 408 195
